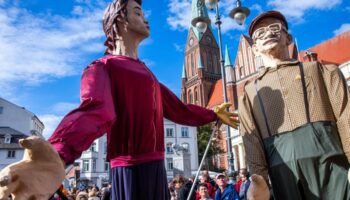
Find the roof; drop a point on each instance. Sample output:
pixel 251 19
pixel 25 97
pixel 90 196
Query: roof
pixel 335 50
pixel 216 96
pixel 10 131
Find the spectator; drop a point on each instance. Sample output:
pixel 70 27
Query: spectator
pixel 244 186
pixel 225 191
pixel 185 191
pixel 82 196
pixel 203 191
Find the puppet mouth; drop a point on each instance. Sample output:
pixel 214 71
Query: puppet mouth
pixel 269 41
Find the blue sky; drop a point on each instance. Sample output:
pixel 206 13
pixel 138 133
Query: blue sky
pixel 45 44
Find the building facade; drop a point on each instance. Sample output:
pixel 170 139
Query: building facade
pixel 15 123
pixel 185 136
pixel 19 119
pixel 94 169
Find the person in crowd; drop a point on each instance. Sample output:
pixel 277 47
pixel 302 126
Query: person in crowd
pixel 245 185
pixel 203 191
pixel 225 191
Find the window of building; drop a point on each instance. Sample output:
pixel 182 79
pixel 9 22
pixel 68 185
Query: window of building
pixel 85 166
pixel 241 71
pixel 169 148
pixel 196 96
pixel 184 131
pixel 192 64
pixel 190 97
pixel 106 166
pixel 105 148
pixel 93 147
pixel 215 61
pixel 11 154
pixel 7 139
pixel 169 132
pixel 169 162
pixel 93 165
pixel 210 62
pixel 1 109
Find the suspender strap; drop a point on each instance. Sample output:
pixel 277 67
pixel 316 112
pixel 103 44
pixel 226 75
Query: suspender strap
pixel 257 88
pixel 306 103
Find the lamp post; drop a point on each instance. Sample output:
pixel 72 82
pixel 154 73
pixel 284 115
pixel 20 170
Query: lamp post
pixel 239 14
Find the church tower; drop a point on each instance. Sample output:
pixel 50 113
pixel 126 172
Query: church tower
pixel 201 64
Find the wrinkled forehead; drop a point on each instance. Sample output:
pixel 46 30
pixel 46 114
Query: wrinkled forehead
pixel 267 21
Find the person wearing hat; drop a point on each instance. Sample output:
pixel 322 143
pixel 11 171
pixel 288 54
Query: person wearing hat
pixel 120 96
pixel 295 119
pixel 225 191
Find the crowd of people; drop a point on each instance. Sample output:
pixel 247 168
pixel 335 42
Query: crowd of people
pixel 222 187
pixel 87 193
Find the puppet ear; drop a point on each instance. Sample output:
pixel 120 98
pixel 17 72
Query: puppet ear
pixel 25 143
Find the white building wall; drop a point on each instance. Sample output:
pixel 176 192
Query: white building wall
pixel 177 138
pixel 4 160
pixel 19 118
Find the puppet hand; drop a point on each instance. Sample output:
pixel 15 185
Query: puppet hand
pixel 258 189
pixel 37 176
pixel 228 118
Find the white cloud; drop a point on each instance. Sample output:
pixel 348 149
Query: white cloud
pixel 180 15
pixel 256 7
pixel 343 28
pixel 63 108
pixel 51 122
pixel 179 47
pixel 35 48
pixel 295 9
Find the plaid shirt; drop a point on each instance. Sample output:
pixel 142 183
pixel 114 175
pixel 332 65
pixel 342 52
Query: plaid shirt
pixel 282 96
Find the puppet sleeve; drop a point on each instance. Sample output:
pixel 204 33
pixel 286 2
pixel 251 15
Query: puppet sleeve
pixel 178 112
pixel 94 117
pixel 252 140
pixel 339 97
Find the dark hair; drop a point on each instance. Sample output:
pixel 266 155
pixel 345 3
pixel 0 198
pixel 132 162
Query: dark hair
pixel 114 10
pixel 202 185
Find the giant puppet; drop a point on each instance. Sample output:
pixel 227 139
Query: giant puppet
pixel 295 119
pixel 120 96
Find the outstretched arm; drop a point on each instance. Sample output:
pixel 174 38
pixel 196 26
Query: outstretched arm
pixel 178 112
pixel 91 119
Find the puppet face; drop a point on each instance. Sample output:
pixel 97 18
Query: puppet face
pixel 270 36
pixel 135 22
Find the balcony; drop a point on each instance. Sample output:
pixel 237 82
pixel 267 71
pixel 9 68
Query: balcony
pixel 89 155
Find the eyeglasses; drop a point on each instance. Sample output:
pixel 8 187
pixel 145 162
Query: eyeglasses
pixel 273 28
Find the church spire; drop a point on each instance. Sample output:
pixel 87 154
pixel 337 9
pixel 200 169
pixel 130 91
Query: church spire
pixel 228 62
pixel 199 10
pixel 183 72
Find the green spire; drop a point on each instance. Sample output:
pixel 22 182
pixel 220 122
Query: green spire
pixel 198 9
pixel 183 71
pixel 228 62
pixel 200 64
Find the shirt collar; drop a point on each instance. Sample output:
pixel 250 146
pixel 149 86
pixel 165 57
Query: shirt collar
pixel 264 70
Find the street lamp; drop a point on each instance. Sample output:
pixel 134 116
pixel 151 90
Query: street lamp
pixel 239 14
